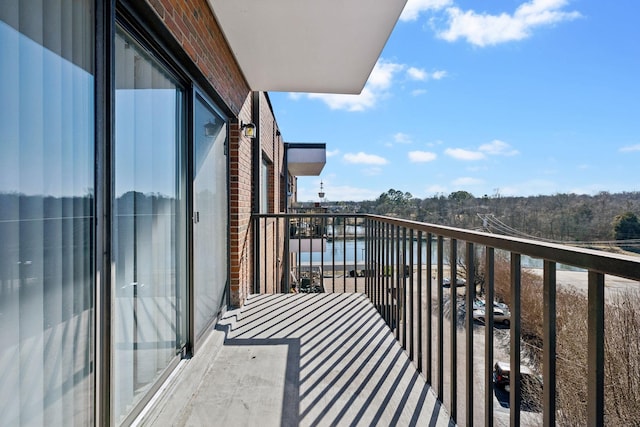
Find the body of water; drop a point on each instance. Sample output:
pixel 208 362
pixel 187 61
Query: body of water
pixel 353 252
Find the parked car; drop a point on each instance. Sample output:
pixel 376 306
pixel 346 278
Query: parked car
pixel 499 315
pixel 530 384
pixel 480 304
pixel 446 282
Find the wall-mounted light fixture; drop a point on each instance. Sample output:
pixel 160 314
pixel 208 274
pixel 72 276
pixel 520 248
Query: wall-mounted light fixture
pixel 210 129
pixel 249 129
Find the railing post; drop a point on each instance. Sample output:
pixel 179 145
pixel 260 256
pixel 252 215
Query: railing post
pixel 549 346
pixel 367 254
pixel 488 335
pixel 439 291
pixel 256 257
pixel 419 301
pixel 453 326
pixel 514 383
pixel 397 280
pixel 355 254
pixel 380 267
pixel 403 299
pixel 265 264
pixel 470 294
pixel 595 352
pixel 286 255
pixel 386 281
pixel 429 313
pixel 333 254
pixel 344 251
pixel 411 299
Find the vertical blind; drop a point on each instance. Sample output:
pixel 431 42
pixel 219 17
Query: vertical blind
pixel 46 212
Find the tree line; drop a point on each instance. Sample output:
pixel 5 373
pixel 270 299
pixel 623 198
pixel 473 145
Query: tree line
pixel 559 217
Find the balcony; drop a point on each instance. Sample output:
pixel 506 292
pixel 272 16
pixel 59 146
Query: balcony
pixel 379 331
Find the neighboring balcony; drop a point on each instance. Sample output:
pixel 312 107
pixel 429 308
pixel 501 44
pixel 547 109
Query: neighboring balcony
pixel 379 332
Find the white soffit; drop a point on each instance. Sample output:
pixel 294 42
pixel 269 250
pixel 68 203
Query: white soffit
pixel 303 161
pixel 322 46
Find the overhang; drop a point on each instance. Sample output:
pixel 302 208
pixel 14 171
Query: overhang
pixel 305 159
pixel 327 46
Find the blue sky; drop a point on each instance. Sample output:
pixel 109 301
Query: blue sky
pixel 506 97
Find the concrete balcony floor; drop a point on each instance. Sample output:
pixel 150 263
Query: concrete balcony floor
pixel 298 359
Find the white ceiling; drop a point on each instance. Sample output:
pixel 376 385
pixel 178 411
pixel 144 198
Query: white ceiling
pixel 323 46
pixel 306 161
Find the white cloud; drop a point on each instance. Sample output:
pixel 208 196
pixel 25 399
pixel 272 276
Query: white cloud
pixel 629 148
pixel 333 153
pixel 438 75
pixel 402 138
pixel 462 154
pixel 421 156
pixel 482 29
pixel 378 86
pixel 422 75
pixel 498 148
pixel 417 73
pixel 380 80
pixel 382 74
pixel 364 158
pixel 365 100
pixel 465 180
pixel 413 8
pixel 418 92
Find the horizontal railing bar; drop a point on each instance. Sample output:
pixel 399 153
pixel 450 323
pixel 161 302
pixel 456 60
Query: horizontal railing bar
pixel 620 265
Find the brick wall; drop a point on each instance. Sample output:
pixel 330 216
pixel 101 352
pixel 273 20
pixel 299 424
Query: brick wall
pixel 193 25
pixel 272 231
pixel 240 188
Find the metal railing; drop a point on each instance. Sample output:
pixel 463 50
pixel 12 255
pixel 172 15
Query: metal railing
pixel 400 263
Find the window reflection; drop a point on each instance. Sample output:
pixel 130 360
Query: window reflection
pixel 148 226
pixel 210 203
pixel 46 214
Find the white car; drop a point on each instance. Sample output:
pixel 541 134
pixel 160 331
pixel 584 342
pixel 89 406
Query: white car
pixel 446 282
pixel 499 315
pixel 480 304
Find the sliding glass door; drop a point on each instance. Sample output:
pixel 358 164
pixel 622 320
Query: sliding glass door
pixel 149 229
pixel 210 213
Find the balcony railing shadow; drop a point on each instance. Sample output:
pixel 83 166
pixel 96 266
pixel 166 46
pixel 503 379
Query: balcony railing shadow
pixel 304 359
pixel 403 268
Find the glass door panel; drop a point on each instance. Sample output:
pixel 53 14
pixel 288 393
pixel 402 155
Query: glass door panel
pixel 210 213
pixel 149 256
